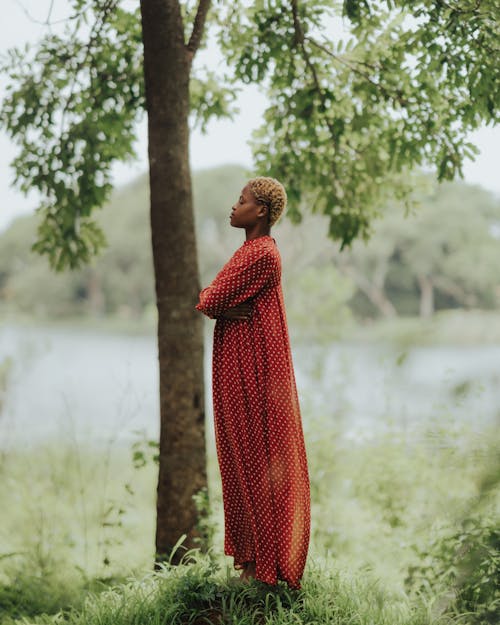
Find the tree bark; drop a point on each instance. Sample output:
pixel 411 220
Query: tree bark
pixel 426 295
pixel 95 294
pixel 448 286
pixel 374 290
pixel 182 466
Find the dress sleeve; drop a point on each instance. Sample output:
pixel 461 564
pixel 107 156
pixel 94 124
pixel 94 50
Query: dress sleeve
pixel 240 279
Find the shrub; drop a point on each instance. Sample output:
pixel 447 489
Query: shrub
pixel 464 569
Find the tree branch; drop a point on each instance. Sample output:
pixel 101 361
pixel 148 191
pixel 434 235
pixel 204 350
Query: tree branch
pixel 49 15
pixel 47 21
pixel 393 96
pixel 299 40
pixel 198 27
pixel 463 11
pixel 376 294
pixel 97 27
pixel 450 287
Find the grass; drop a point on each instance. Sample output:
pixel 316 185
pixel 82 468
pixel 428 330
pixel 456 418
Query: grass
pixel 119 324
pixel 78 525
pixel 197 592
pixel 445 327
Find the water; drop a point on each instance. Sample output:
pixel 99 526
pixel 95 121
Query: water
pixel 365 387
pixel 85 384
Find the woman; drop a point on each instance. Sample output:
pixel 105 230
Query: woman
pixel 258 429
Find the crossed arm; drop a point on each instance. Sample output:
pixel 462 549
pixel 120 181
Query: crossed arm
pixel 230 294
pixel 241 311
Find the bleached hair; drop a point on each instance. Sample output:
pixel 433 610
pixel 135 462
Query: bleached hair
pixel 272 193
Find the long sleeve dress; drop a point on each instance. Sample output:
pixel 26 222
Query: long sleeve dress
pixel 257 421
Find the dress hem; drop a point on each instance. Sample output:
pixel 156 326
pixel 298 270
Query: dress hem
pixel 238 565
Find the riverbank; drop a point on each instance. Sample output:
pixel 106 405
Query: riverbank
pixel 447 327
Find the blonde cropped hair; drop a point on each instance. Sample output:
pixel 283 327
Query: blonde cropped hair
pixel 270 192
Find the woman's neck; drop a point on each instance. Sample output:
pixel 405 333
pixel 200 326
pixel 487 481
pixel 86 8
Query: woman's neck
pixel 259 230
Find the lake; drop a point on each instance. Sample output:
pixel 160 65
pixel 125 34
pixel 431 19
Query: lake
pixel 82 384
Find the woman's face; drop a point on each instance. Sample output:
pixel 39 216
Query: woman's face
pixel 247 211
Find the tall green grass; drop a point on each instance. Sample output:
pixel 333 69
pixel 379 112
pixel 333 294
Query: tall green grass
pixel 78 527
pixel 199 593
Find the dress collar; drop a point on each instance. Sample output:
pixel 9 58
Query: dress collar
pixel 264 237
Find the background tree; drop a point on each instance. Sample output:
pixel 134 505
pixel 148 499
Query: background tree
pixel 443 255
pixel 456 229
pixel 455 265
pixel 348 119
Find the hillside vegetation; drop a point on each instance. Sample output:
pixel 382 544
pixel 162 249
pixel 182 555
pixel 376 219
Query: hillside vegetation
pixel 442 257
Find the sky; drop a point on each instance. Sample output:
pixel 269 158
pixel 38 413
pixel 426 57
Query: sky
pixel 225 142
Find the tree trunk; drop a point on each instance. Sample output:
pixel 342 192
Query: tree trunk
pixel 373 291
pixel 448 286
pixel 426 296
pixel 182 470
pixel 95 295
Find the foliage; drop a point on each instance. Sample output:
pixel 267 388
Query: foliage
pixel 450 237
pixel 453 247
pixel 26 594
pixel 374 497
pixel 317 303
pixel 82 513
pixel 119 281
pixel 5 373
pixel 205 525
pixel 349 117
pixel 143 448
pixel 371 503
pixel 465 567
pixel 73 115
pixel 446 327
pixel 197 592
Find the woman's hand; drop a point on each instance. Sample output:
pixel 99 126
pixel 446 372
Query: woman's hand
pixel 241 312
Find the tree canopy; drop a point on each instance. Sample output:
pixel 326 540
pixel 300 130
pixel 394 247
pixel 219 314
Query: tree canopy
pixel 350 116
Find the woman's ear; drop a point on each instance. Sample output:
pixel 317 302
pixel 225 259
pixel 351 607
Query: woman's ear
pixel 263 210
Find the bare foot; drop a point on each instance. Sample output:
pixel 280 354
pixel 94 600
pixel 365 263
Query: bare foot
pixel 248 572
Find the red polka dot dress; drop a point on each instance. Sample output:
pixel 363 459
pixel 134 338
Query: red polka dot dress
pixel 258 428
